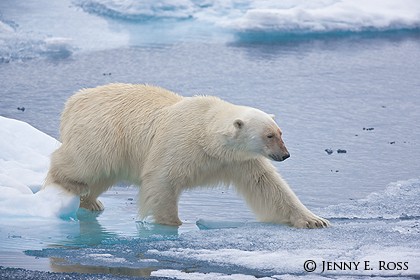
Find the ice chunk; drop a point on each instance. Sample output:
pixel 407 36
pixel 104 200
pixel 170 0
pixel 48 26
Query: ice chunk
pixel 52 201
pixel 400 200
pixel 24 161
pixel 327 16
pixel 57 47
pixel 139 10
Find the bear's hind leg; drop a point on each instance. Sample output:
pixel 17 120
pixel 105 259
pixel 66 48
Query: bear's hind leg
pixel 64 173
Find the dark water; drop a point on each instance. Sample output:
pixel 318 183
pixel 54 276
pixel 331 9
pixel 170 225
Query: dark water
pixel 324 92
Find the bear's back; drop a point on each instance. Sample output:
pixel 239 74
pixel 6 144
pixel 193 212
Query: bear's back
pixel 121 96
pixel 116 104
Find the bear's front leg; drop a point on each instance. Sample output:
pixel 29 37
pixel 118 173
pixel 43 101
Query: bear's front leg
pixel 166 218
pixel 271 197
pixel 160 200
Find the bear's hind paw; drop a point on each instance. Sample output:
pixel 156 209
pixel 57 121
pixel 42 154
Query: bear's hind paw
pixel 95 205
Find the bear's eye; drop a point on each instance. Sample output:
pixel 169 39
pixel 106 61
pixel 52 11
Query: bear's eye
pixel 271 135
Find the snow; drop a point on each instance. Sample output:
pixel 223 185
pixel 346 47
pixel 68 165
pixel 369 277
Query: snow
pixel 175 274
pixel 141 11
pixel 60 31
pixel 268 16
pixel 398 201
pixel 63 32
pixel 327 16
pixel 107 258
pixel 24 161
pixel 25 153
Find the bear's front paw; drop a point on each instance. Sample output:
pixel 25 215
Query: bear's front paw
pixel 310 221
pixel 169 221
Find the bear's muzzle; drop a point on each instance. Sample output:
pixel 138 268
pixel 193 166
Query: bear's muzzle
pixel 279 157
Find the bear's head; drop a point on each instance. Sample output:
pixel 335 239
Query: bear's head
pixel 256 133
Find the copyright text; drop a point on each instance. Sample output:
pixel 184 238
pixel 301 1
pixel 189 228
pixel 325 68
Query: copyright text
pixel 325 266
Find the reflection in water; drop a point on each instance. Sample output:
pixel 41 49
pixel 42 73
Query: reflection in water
pixel 91 231
pixel 61 265
pixel 93 234
pixel 146 229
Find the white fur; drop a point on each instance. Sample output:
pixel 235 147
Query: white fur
pixel 166 143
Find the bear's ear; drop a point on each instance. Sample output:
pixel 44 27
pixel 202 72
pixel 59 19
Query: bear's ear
pixel 238 123
pixel 272 116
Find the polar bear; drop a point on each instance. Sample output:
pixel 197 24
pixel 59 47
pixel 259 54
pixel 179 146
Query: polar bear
pixel 166 143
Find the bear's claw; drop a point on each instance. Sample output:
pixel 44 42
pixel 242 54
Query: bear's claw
pixel 312 221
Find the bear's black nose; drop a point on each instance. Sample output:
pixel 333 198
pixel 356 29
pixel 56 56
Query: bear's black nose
pixel 285 157
pixel 277 157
